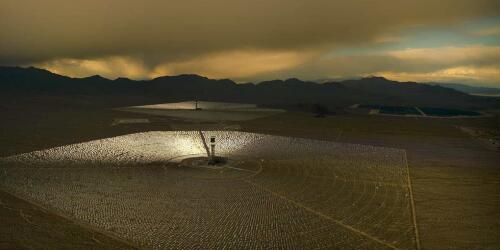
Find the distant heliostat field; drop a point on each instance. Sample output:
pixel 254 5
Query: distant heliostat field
pixel 275 192
pixel 205 111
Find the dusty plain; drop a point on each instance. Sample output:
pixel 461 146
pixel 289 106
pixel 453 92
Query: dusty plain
pixel 455 177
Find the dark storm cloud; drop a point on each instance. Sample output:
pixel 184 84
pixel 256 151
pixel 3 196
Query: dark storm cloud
pixel 250 40
pixel 164 31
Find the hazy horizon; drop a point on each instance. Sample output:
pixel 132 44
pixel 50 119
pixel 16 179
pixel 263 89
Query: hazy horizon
pixel 319 81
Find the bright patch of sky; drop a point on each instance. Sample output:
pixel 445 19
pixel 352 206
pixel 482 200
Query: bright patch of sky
pixel 484 32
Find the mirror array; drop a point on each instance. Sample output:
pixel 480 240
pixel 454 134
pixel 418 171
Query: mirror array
pixel 295 193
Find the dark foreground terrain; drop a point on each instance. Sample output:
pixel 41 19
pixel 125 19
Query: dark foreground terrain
pixel 27 226
pixel 454 176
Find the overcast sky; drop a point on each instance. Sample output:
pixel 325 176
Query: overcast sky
pixel 420 40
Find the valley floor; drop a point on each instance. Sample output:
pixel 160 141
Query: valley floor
pixel 455 177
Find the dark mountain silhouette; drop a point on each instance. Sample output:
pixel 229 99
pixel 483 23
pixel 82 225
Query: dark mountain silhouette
pixel 32 83
pixel 470 89
pixel 411 93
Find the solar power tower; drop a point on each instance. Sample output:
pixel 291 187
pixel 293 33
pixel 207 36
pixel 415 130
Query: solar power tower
pixel 212 148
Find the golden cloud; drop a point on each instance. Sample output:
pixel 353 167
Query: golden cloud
pixel 111 67
pixel 450 54
pixel 471 74
pixel 240 64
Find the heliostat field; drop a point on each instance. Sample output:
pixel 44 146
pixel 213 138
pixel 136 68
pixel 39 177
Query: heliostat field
pixel 274 192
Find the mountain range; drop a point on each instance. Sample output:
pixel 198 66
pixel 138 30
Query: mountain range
pixel 19 84
pixel 477 90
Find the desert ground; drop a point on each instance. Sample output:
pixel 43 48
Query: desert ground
pixel 454 179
